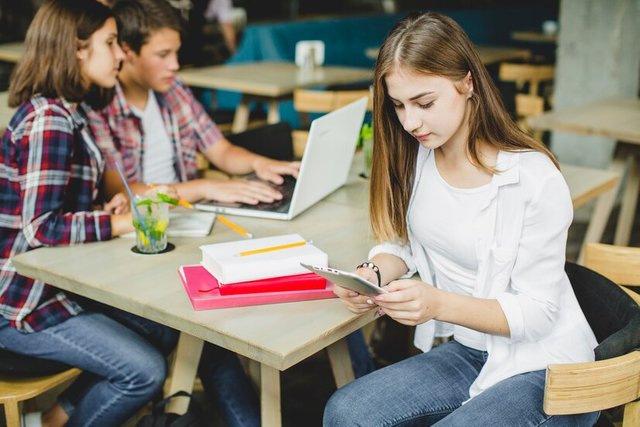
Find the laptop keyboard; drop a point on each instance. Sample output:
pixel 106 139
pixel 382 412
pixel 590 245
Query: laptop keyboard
pixel 280 206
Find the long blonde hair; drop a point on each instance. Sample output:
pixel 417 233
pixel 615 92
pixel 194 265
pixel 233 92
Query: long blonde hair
pixel 432 44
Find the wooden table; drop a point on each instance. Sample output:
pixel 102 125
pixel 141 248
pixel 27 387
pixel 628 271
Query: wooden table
pixel 277 336
pixel 534 37
pixel 488 54
pixel 11 52
pixel 616 118
pixel 268 81
pixel 6 113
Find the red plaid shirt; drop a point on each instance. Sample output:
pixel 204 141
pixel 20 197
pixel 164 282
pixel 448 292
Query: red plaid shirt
pixel 120 136
pixel 49 170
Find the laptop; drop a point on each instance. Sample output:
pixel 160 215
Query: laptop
pixel 325 167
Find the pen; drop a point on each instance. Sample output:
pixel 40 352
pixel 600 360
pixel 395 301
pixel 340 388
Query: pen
pixel 235 227
pixel 272 248
pixel 135 207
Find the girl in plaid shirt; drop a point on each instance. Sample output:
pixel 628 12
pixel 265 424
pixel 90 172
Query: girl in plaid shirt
pixel 50 168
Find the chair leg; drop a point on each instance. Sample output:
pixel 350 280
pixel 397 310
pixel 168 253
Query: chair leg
pixel 631 414
pixel 12 413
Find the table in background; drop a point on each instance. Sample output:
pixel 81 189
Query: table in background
pixel 6 113
pixel 277 336
pixel 488 54
pixel 268 81
pixel 534 37
pixel 11 52
pixel 616 118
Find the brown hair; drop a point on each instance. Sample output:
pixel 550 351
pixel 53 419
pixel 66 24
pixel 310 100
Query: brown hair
pixel 50 65
pixel 139 19
pixel 433 44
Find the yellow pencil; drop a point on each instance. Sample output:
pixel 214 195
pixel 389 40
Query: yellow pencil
pixel 184 203
pixel 272 248
pixel 235 227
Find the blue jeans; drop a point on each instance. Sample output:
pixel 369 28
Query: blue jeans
pixel 429 389
pixel 361 360
pixel 122 371
pixel 220 371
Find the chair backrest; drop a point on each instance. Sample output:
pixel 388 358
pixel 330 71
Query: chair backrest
pixel 613 316
pixel 307 101
pixel 621 264
pixel 613 379
pixel 526 73
pixel 324 101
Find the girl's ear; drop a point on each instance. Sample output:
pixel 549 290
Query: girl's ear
pixel 467 81
pixel 82 51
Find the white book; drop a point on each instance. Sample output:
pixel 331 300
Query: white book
pixel 237 261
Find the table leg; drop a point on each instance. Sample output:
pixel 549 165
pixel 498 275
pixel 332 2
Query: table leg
pixel 183 370
pixel 273 113
pixel 602 209
pixel 241 116
pixel 628 206
pixel 270 411
pixel 340 360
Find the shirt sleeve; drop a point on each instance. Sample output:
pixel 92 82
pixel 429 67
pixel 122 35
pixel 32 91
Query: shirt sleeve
pixel 104 139
pixel 204 129
pixel 538 278
pixel 401 251
pixel 45 164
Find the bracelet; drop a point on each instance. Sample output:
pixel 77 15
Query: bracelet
pixel 368 264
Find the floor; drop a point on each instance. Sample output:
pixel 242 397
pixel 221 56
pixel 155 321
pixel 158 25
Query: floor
pixel 307 386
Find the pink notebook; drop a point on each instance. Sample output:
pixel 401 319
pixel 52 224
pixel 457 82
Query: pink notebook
pixel 195 277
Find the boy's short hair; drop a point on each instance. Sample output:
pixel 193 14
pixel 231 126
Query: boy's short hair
pixel 139 19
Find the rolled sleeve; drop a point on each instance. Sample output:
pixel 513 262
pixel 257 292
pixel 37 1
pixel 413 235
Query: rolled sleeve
pixel 401 251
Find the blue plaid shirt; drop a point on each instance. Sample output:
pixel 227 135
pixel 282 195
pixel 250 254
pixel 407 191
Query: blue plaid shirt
pixel 50 167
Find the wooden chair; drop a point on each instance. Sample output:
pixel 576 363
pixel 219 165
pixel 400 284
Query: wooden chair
pixel 16 387
pixel 620 264
pixel 614 378
pixel 529 103
pixel 307 101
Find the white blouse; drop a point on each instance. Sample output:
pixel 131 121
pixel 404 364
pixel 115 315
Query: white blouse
pixel 520 245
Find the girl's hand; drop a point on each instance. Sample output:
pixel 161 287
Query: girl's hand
pixel 355 302
pixel 410 302
pixel 119 204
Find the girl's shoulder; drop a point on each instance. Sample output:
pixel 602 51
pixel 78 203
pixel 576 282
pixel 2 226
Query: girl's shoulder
pixel 535 162
pixel 54 111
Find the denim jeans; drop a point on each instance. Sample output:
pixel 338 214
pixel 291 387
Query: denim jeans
pixel 220 371
pixel 430 388
pixel 361 360
pixel 122 371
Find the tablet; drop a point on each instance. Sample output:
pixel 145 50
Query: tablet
pixel 346 280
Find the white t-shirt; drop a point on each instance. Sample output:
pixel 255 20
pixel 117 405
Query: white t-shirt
pixel 451 250
pixel 159 155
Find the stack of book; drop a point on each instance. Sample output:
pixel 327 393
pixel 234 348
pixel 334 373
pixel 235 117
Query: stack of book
pixel 257 271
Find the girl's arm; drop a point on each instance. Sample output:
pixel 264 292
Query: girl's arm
pixel 53 213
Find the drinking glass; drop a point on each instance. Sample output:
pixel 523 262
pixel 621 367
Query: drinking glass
pixel 151 237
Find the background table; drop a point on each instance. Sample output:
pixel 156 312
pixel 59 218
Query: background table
pixel 268 81
pixel 488 54
pixel 616 118
pixel 11 52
